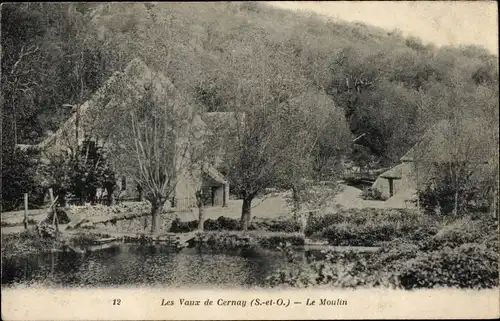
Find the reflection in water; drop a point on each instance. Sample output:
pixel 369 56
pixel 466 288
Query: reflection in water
pixel 144 265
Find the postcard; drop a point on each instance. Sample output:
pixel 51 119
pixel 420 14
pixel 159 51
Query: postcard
pixel 250 160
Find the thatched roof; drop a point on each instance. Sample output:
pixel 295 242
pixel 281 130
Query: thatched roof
pixel 394 173
pixel 466 140
pixel 214 174
pixel 117 91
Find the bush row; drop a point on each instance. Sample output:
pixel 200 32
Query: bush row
pixel 404 265
pixel 366 227
pixel 230 240
pixel 286 225
pixel 371 226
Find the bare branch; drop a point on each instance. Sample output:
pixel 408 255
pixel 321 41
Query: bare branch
pixel 31 50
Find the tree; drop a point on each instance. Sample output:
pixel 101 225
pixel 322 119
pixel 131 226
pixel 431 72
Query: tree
pixel 159 148
pixel 150 141
pixel 43 45
pixel 204 153
pixel 455 160
pixel 309 117
pixel 20 170
pixel 265 122
pixel 90 172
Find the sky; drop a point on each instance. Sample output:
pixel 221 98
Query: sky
pixel 439 22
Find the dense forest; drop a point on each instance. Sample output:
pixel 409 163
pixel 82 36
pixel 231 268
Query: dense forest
pixel 371 84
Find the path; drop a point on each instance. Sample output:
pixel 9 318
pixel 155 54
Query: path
pixel 350 197
pixel 267 207
pixel 271 207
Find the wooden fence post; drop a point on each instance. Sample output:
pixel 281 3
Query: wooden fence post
pixel 53 208
pixel 51 194
pixel 25 211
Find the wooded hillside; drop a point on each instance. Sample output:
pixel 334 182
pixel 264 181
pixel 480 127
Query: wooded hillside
pixel 387 87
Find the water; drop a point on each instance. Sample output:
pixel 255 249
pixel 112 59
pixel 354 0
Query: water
pixel 135 265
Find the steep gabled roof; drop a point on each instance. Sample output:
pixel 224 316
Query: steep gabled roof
pixel 116 91
pixel 467 140
pixel 214 174
pixel 395 172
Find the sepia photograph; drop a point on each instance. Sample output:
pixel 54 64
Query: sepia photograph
pixel 248 146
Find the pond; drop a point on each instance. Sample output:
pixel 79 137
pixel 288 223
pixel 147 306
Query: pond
pixel 136 265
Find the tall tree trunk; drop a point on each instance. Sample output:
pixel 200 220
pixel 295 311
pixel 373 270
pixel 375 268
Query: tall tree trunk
pixel 201 210
pixel 156 207
pixel 297 207
pixel 14 124
pixel 246 213
pixel 83 198
pixel 110 196
pixel 93 196
pixel 139 190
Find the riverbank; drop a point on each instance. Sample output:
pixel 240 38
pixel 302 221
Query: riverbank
pixel 399 248
pixel 31 242
pixel 418 252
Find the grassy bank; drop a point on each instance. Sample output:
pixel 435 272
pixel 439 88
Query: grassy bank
pixel 239 239
pixel 27 242
pixel 279 224
pixel 416 251
pixel 31 241
pixel 372 226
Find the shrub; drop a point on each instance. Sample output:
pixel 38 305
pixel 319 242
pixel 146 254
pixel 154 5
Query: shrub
pixel 62 217
pixel 90 172
pixel 228 240
pixel 466 266
pixel 370 226
pixel 393 254
pixel 399 266
pixel 179 226
pixel 46 231
pixel 222 223
pixel 491 241
pixel 459 232
pixel 338 269
pixel 223 241
pixel 29 242
pixel 461 254
pixel 82 176
pixel 343 234
pixel 294 274
pixel 286 225
pixel 370 234
pixel 318 223
pixel 210 225
pixel 274 240
pixel 20 175
pixel 372 194
pixel 352 270
pixel 443 195
pixel 229 224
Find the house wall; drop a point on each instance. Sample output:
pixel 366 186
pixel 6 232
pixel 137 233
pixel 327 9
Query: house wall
pixel 184 192
pixel 129 191
pixel 407 181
